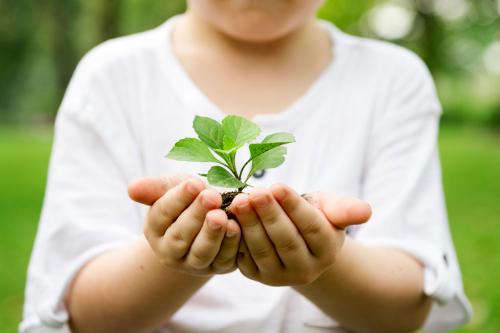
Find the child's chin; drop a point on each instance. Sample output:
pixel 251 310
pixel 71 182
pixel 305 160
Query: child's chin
pixel 252 37
pixel 257 31
pixel 256 20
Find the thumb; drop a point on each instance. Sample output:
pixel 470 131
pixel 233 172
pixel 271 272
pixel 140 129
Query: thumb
pixel 147 190
pixel 342 212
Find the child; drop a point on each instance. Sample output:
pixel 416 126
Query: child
pixel 365 115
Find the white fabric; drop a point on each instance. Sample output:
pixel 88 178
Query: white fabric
pixel 366 128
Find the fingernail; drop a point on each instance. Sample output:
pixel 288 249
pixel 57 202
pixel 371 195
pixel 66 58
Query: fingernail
pixel 243 208
pixel 191 187
pixel 207 201
pixel 260 200
pixel 231 233
pixel 280 194
pixel 214 225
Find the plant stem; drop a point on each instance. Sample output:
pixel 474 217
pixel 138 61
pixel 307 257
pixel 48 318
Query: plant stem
pixel 232 159
pixel 229 165
pixel 243 168
pixel 248 177
pixel 226 166
pixel 235 173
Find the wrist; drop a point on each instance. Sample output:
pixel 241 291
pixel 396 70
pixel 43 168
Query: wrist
pixel 335 272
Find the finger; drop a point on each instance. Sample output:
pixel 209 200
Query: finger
pixel 225 261
pixel 258 243
pixel 207 244
pixel 246 264
pixel 283 233
pixel 313 200
pixel 147 190
pixel 343 212
pixel 313 227
pixel 180 235
pixel 166 210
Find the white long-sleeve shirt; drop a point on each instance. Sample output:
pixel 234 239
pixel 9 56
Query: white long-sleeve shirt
pixel 366 128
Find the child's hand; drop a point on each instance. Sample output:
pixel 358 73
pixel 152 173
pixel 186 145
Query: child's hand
pixel 341 212
pixel 184 226
pixel 288 241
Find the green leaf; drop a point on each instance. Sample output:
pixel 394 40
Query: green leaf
pixel 229 144
pixel 270 142
pixel 270 159
pixel 218 176
pixel 209 131
pixel 281 137
pixel 239 131
pixel 229 147
pixel 191 149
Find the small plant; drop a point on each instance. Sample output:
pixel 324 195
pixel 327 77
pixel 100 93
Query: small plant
pixel 219 143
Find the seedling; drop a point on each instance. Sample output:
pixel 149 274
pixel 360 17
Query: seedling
pixel 219 143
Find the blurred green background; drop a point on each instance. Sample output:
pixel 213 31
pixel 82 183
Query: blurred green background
pixel 42 41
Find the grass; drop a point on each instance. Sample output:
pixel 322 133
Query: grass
pixel 471 167
pixel 23 166
pixel 471 170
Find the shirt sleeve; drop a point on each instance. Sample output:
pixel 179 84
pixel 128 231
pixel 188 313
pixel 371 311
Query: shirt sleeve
pixel 86 210
pixel 402 182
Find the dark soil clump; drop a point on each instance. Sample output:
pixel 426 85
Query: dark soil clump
pixel 227 199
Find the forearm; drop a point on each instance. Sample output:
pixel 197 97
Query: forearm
pixel 372 290
pixel 128 290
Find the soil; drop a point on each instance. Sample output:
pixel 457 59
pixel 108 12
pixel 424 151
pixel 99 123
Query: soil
pixel 227 199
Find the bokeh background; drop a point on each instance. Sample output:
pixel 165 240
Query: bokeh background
pixel 42 41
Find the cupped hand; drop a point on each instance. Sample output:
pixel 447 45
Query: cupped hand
pixel 341 212
pixel 288 240
pixel 185 226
